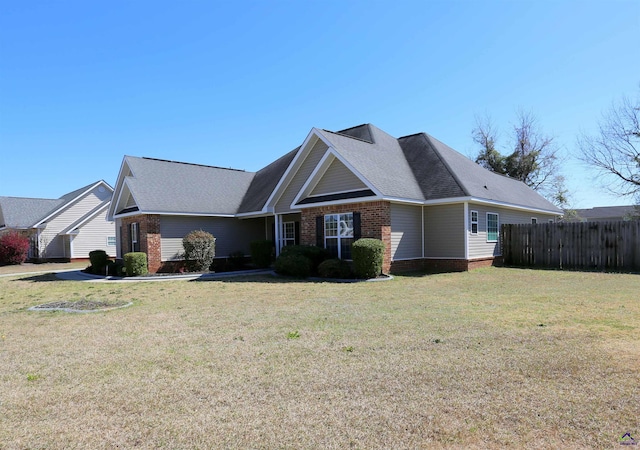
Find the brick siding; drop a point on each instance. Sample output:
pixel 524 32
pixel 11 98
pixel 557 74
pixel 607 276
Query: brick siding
pixel 375 218
pixel 150 242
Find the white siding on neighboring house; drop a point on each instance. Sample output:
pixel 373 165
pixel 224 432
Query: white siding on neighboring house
pixel 93 235
pixel 406 232
pixel 338 178
pixel 478 245
pixel 444 231
pixel 307 167
pixel 55 246
pixel 231 234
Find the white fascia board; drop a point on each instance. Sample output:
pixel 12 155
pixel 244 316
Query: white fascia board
pixel 339 202
pixel 513 206
pixel 169 213
pixel 68 204
pixel 330 155
pixel 295 164
pixel 257 214
pixel 114 207
pixel 120 181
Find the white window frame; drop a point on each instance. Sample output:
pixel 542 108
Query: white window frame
pixel 497 226
pixel 474 222
pixel 343 231
pixel 111 241
pixel 135 235
pixel 288 235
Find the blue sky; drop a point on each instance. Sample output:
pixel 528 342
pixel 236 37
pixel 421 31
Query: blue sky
pixel 240 83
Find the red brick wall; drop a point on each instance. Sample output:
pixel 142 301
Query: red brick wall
pixel 149 230
pixel 375 220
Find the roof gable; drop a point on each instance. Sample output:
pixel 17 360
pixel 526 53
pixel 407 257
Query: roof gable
pixel 171 187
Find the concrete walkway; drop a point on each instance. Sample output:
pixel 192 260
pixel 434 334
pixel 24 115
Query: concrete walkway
pixel 78 275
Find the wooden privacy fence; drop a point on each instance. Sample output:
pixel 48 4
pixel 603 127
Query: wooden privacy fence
pixel 581 245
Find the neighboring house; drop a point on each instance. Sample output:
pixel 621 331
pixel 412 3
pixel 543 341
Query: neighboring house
pixel 430 205
pixel 65 228
pixel 603 214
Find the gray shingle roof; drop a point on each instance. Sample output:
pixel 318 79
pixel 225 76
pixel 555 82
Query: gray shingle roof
pixel 26 212
pixel 608 212
pixel 264 183
pixel 176 187
pixel 23 212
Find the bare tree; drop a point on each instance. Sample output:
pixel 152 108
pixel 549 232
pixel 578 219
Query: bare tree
pixel 615 150
pixel 533 157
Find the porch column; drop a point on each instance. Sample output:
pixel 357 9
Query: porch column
pixel 277 225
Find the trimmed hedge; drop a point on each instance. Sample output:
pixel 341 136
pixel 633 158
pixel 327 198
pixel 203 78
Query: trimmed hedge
pixel 99 261
pixel 368 257
pixel 14 248
pixel 294 265
pixel 262 253
pixel 335 268
pixel 199 250
pixel 136 264
pixel 314 254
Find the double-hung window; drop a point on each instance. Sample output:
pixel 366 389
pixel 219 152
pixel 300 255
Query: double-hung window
pixel 338 234
pixel 493 225
pixel 135 237
pixel 474 222
pixel 288 233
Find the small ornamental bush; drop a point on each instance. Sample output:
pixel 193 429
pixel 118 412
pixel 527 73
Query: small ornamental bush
pixel 136 264
pixel 368 256
pixel 334 268
pixel 293 265
pixel 14 248
pixel 262 253
pixel 235 260
pixel 315 254
pixel 116 268
pixel 199 250
pixel 99 260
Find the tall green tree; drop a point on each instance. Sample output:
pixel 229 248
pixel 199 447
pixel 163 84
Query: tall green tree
pixel 530 155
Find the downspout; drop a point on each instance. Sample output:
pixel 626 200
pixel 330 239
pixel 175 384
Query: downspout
pixel 423 243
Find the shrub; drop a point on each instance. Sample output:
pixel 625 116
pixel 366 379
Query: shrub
pixel 262 253
pixel 315 254
pixel 199 250
pixel 14 248
pixel 334 268
pixel 116 268
pixel 99 260
pixel 235 260
pixel 294 265
pixel 368 256
pixel 135 264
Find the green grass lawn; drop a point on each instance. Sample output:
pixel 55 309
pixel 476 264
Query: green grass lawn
pixel 484 359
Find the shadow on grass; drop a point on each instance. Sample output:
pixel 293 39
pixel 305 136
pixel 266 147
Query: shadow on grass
pixel 41 278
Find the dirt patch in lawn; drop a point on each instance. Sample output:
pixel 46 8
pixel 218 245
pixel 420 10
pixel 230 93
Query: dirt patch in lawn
pixel 81 306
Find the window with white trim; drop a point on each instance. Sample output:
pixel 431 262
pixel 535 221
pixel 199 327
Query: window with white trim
pixel 111 241
pixel 474 222
pixel 288 233
pixel 134 235
pixel 493 226
pixel 338 234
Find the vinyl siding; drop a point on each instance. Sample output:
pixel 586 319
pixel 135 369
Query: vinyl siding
pixel 478 245
pixel 93 236
pixel 301 176
pixel 406 232
pixel 444 231
pixel 231 234
pixel 338 178
pixel 56 247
